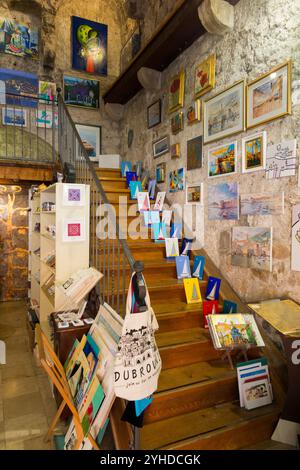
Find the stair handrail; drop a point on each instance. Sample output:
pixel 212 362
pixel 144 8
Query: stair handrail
pixel 135 265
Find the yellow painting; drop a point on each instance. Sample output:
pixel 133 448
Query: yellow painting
pixel 192 290
pixel 205 76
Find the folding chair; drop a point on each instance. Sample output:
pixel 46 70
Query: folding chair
pixel 56 373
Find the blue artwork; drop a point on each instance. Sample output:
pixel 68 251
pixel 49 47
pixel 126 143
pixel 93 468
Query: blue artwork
pixel 159 232
pixel 213 288
pixel 229 307
pixel 18 88
pixel 130 176
pixel 176 230
pixel 135 187
pixel 186 247
pixel 151 189
pixel 81 92
pixel 151 217
pixel 198 267
pixel 183 267
pixel 125 166
pixel 139 168
pixel 89 46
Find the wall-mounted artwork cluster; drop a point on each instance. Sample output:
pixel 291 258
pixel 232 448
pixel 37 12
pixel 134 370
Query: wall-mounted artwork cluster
pixel 234 110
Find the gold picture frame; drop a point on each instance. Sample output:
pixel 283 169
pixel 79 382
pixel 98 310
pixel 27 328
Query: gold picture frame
pixel 205 74
pixel 193 113
pixel 211 109
pixel 177 122
pixel 175 150
pixel 269 94
pixel 176 92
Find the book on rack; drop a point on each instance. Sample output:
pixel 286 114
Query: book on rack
pixel 254 383
pixel 50 259
pixel 237 330
pixel 80 284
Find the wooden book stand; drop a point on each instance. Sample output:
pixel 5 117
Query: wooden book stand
pixel 56 373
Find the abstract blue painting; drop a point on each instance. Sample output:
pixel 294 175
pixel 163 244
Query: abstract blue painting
pixel 18 88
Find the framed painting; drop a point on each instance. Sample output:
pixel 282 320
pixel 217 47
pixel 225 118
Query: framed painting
pixel 262 203
pixel 223 201
pixel 251 247
pixel 281 159
pixel 47 92
pixel 18 88
pixel 193 113
pixel 161 146
pixel 73 194
pixel 19 39
pixel 161 173
pixel 194 153
pixel 154 114
pixel 44 118
pixel 81 92
pixel 205 76
pixel 194 193
pixel 89 46
pixel 254 150
pixel 131 48
pixel 224 113
pixel 73 230
pixel 91 138
pixel 175 150
pixel 14 117
pixel 176 92
pixel 269 96
pixel 177 123
pixel 222 160
pixel 176 180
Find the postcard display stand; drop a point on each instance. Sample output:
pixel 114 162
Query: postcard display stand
pixel 64 244
pixel 34 251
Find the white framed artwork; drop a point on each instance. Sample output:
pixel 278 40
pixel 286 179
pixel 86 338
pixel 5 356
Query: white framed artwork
pixel 73 194
pixel 73 230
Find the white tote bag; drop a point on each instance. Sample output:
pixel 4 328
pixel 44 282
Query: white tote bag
pixel 137 362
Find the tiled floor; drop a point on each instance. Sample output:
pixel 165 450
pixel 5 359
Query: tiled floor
pixel 26 403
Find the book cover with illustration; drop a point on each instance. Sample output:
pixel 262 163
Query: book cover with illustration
pixel 172 248
pixel 183 267
pixel 198 267
pixel 213 288
pixel 192 290
pixel 135 188
pixel 159 232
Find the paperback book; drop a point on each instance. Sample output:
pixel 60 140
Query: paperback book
pixel 210 307
pixel 254 383
pixel 125 167
pixel 159 232
pixel 159 202
pixel 135 188
pixel 143 201
pixel 213 288
pixel 186 247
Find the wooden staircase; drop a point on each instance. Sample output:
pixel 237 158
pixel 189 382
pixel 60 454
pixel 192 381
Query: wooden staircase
pixel 196 405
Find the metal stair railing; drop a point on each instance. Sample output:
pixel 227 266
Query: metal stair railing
pixel 111 254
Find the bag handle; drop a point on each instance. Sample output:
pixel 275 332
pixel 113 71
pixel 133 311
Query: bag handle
pixel 129 296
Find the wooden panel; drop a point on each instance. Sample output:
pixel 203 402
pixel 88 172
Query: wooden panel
pixel 24 173
pixel 121 430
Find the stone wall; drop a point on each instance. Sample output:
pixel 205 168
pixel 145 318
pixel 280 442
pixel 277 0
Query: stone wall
pixel 13 242
pixel 53 17
pixel 266 33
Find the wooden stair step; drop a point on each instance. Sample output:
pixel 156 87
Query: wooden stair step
pixel 192 374
pixel 185 389
pixel 109 184
pixel 208 428
pixel 108 172
pixel 173 338
pixel 186 352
